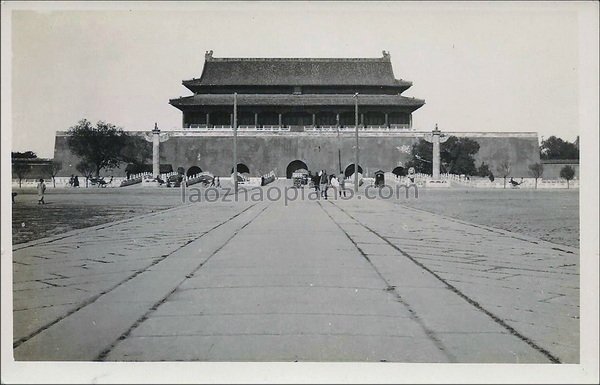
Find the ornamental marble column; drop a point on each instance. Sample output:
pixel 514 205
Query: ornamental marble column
pixel 436 138
pixel 155 151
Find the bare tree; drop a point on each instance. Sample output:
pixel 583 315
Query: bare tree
pixel 567 173
pixel 87 169
pixel 536 170
pixel 53 170
pixel 21 169
pixel 504 170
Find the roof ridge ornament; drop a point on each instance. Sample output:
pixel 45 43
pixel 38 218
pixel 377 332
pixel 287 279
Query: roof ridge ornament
pixel 208 55
pixel 386 55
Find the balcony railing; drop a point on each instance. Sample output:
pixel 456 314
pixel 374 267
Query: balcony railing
pixel 277 128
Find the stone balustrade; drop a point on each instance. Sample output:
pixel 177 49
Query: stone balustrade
pixel 276 128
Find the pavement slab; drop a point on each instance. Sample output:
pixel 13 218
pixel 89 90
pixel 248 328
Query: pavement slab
pixel 347 280
pixel 512 281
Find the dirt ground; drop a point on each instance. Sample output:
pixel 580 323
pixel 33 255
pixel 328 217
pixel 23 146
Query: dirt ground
pixel 69 209
pixel 549 215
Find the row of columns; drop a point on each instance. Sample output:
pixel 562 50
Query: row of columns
pixel 314 119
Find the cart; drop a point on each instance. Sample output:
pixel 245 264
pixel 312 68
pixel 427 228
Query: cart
pixel 300 178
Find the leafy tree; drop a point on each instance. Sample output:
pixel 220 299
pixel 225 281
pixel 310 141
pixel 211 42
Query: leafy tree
pixel 504 169
pixel 456 156
pixel 483 170
pixel 567 173
pixel 21 169
pixel 26 155
pixel 556 148
pixel 422 157
pixel 536 170
pixel 100 146
pixel 53 170
pixel 136 151
pixel 86 169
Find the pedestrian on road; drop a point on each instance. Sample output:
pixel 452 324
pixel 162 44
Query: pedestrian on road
pixel 342 185
pixel 41 189
pixel 324 184
pixel 316 181
pixel 76 181
pixel 335 184
pixel 218 182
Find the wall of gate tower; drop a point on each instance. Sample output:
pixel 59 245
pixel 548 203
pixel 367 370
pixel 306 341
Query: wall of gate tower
pixel 263 153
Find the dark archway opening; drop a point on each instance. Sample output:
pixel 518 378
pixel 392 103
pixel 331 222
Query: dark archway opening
pixel 350 170
pixel 294 166
pixel 242 169
pixel 399 171
pixel 193 171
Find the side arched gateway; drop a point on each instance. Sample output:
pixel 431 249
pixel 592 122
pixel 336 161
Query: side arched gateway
pixel 399 171
pixel 242 169
pixel 350 170
pixel 193 171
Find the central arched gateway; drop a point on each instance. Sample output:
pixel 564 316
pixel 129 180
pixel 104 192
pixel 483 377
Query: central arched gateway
pixel 294 166
pixel 350 170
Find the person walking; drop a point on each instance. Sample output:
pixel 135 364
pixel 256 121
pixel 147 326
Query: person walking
pixel 324 184
pixel 218 182
pixel 316 181
pixel 342 185
pixel 76 181
pixel 335 184
pixel 41 189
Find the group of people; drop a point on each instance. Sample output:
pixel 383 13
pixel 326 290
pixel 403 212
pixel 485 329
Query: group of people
pixel 74 181
pixel 216 182
pixel 322 182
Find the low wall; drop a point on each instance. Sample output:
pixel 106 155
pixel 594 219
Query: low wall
pixel 552 168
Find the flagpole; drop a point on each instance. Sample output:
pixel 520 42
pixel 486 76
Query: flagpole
pixel 234 124
pixel 356 149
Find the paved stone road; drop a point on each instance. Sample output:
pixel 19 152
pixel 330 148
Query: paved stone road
pixel 313 281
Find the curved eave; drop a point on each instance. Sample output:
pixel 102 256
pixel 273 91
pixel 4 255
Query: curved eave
pixel 195 84
pixel 295 100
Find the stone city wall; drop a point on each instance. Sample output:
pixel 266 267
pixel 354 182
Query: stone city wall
pixel 262 152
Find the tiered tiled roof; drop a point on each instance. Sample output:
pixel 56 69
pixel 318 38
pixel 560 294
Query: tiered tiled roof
pixel 297 72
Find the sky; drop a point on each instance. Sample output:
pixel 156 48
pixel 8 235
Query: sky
pixel 479 66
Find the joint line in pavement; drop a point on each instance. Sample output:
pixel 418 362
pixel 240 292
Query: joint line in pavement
pixel 471 301
pixel 93 299
pixel 389 288
pixel 102 356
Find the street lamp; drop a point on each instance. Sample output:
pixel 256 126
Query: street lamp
pixel 356 135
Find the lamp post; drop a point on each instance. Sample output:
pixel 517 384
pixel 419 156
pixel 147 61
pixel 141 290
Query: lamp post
pixel 234 126
pixel 356 136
